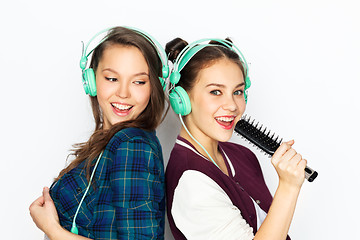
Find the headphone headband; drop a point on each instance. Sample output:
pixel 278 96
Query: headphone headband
pixel 84 56
pixel 191 49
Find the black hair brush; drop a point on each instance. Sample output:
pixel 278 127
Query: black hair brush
pixel 264 140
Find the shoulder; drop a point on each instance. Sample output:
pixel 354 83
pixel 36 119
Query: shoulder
pixel 183 158
pixel 234 147
pixel 136 137
pixel 134 150
pixel 238 153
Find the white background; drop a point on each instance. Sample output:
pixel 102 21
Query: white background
pixel 304 63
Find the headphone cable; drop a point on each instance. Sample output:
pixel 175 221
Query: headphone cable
pixel 182 122
pixel 74 228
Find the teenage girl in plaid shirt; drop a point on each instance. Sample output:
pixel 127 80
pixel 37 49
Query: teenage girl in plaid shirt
pixel 126 198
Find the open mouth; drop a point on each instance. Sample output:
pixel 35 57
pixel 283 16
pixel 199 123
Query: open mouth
pixel 226 122
pixel 121 109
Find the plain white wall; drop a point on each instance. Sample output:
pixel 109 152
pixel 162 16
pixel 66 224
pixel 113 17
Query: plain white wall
pixel 304 63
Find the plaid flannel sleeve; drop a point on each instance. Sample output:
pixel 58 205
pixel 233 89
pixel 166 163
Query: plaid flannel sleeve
pixel 137 182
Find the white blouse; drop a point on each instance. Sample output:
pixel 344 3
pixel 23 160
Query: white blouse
pixel 202 210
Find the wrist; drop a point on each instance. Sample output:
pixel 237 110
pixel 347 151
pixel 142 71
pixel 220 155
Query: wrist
pixel 289 187
pixel 55 232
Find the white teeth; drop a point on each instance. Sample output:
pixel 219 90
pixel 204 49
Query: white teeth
pixel 225 119
pixel 121 106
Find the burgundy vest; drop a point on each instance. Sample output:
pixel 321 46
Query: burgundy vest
pixel 248 180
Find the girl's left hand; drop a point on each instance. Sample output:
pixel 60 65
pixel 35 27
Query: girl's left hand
pixel 43 212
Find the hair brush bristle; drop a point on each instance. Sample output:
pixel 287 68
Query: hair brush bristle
pixel 259 136
pixel 263 139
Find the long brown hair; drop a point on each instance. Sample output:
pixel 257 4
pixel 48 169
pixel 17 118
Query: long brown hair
pixel 148 120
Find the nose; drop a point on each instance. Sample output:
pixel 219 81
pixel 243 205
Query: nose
pixel 230 104
pixel 123 89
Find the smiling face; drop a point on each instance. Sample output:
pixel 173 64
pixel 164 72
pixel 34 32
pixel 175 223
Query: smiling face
pixel 217 102
pixel 122 83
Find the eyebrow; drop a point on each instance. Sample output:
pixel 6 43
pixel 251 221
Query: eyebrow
pixel 223 86
pixel 134 75
pixel 141 74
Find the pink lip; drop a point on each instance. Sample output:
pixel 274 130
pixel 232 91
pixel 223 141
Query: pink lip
pixel 227 127
pixel 121 113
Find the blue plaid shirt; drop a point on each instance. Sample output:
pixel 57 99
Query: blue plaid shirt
pixel 128 201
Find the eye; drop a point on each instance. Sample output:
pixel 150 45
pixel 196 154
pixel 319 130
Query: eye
pixel 238 92
pixel 139 82
pixel 216 92
pixel 111 79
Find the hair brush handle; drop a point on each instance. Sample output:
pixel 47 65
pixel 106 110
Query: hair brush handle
pixel 310 174
pixel 261 138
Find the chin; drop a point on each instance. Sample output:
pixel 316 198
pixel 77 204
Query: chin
pixel 116 121
pixel 223 137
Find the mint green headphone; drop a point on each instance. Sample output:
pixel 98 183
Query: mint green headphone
pixel 179 99
pixel 88 75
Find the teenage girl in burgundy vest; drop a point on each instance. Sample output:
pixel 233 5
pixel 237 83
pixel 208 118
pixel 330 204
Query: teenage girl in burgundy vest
pixel 215 189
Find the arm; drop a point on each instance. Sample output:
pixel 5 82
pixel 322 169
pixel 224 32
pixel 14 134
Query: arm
pixel 290 168
pixel 202 210
pixel 137 182
pixel 44 215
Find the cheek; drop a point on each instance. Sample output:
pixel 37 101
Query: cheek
pixel 203 105
pixel 241 105
pixel 103 90
pixel 205 108
pixel 142 96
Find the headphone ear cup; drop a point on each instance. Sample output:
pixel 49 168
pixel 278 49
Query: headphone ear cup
pixel 247 82
pixel 180 101
pixel 247 85
pixel 165 71
pixel 90 82
pixel 175 77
